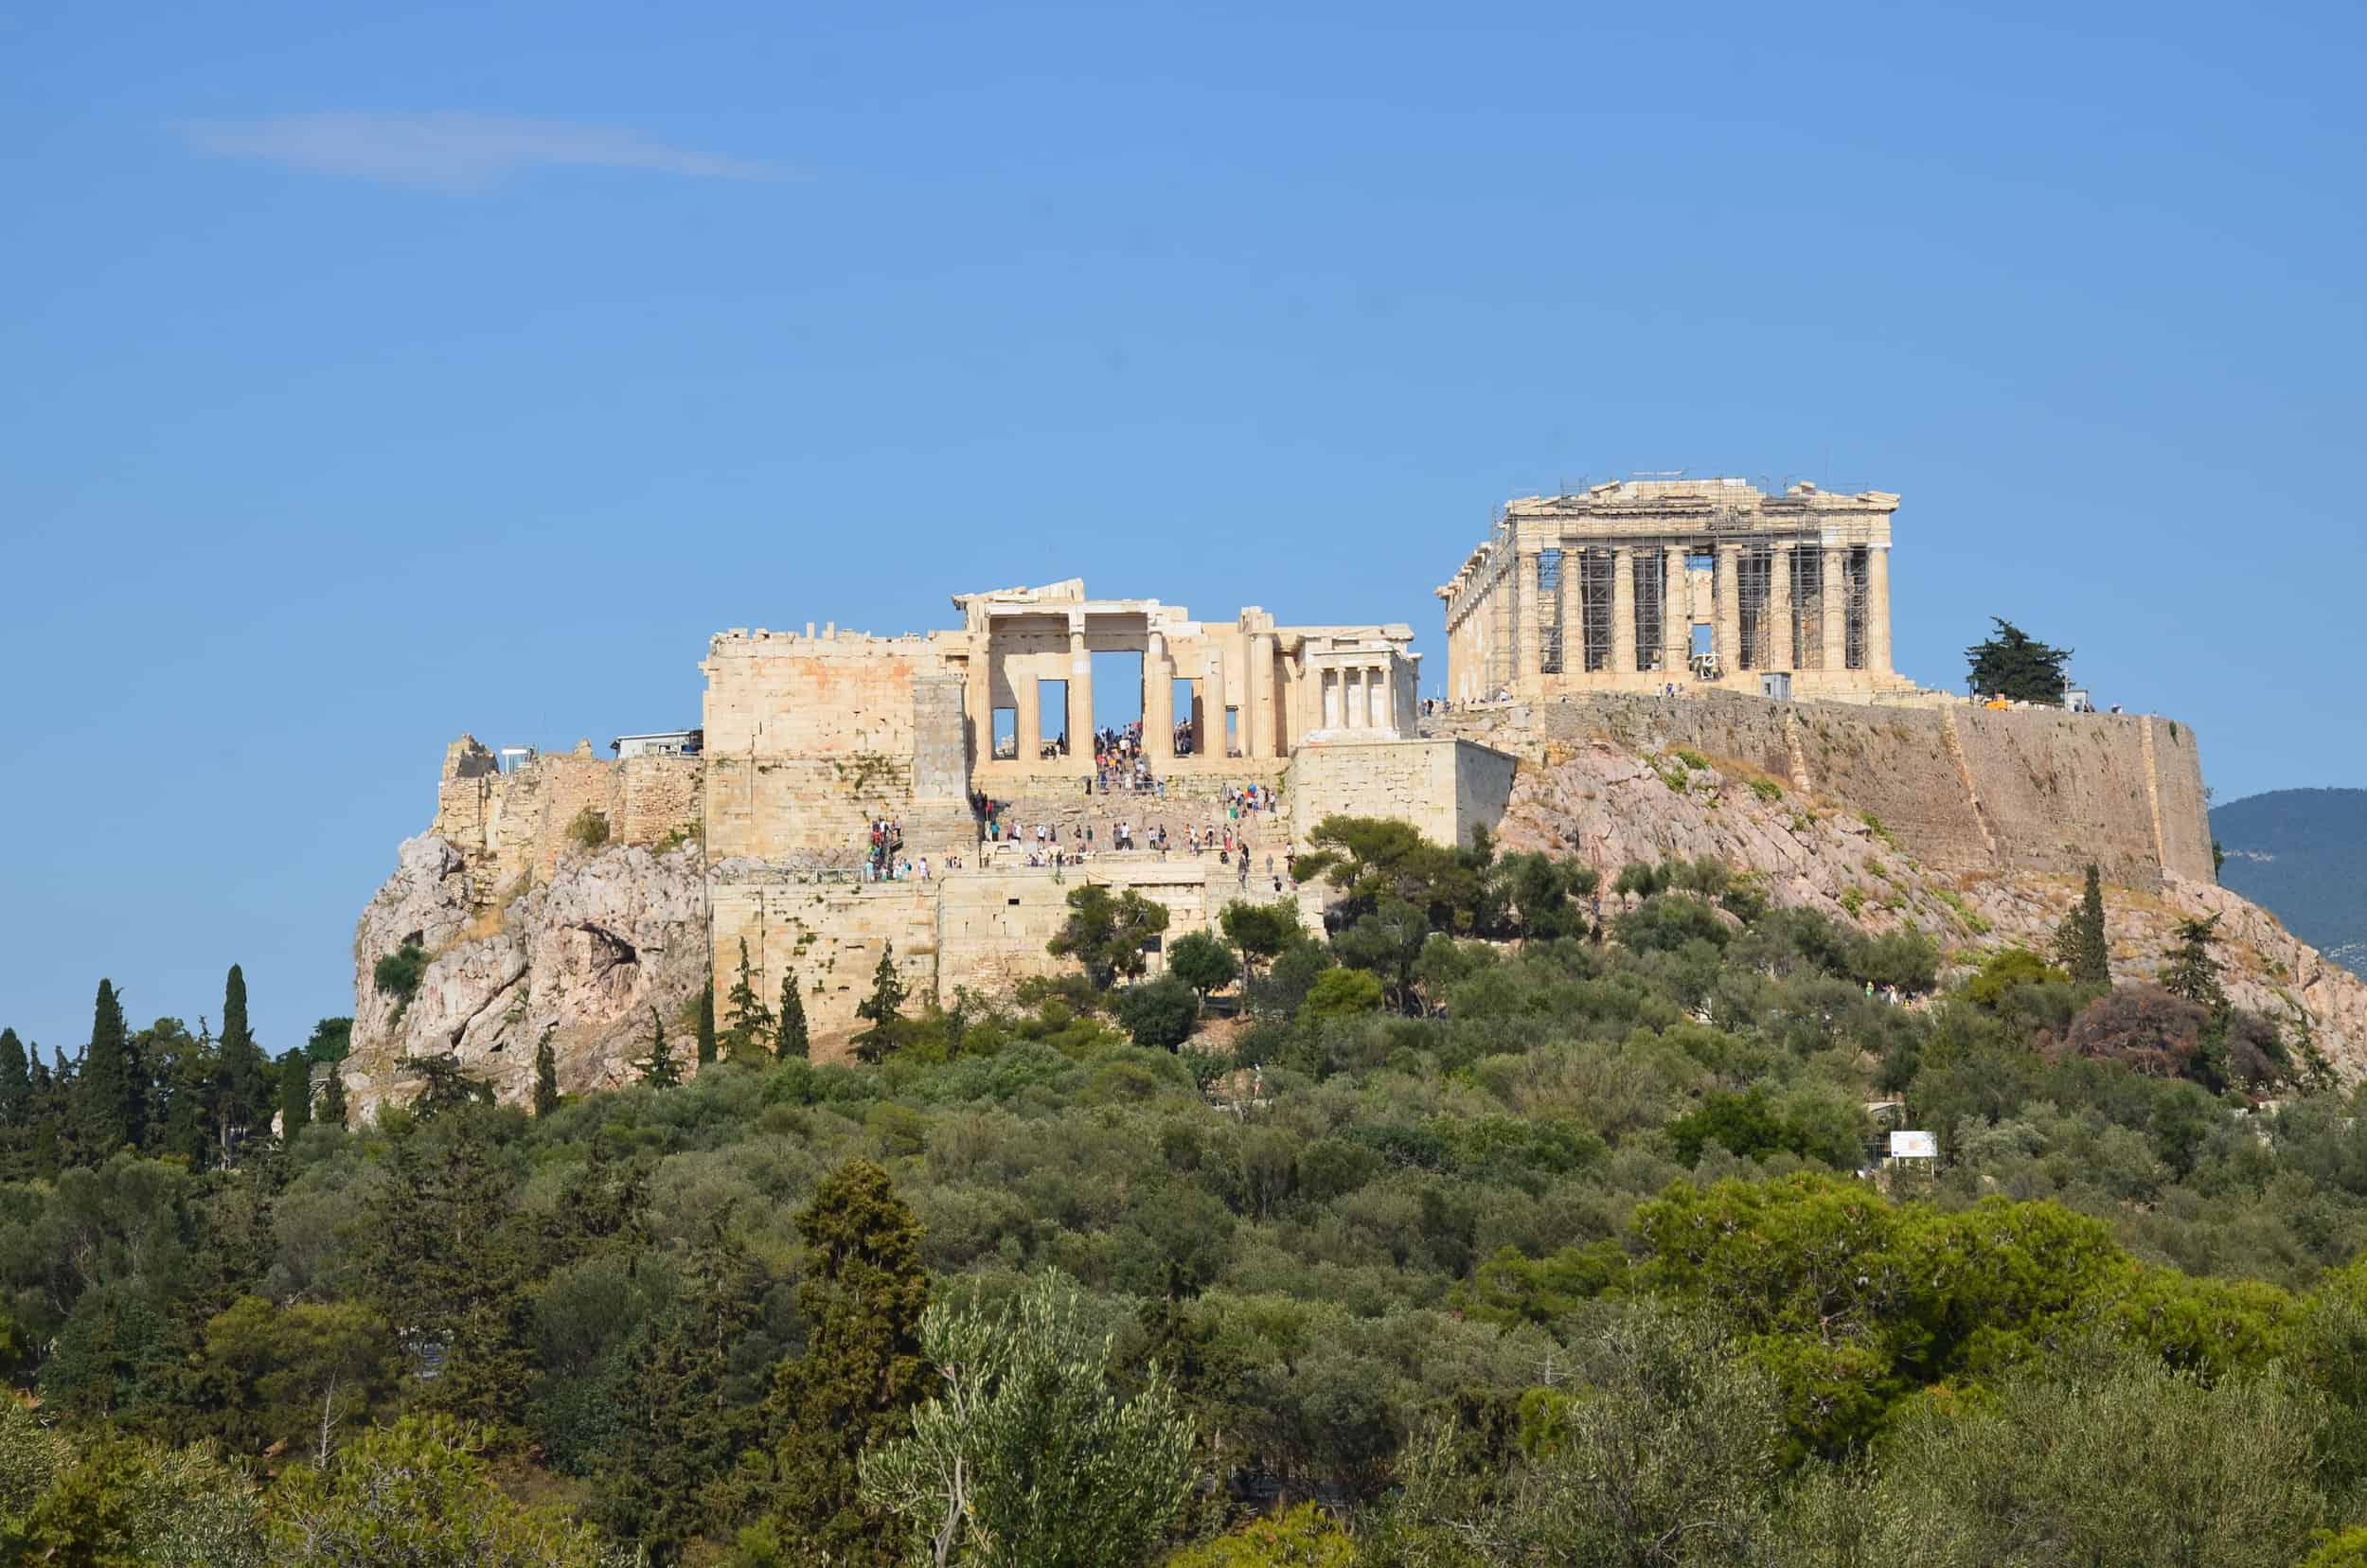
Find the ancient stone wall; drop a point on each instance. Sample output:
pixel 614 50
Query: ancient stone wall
pixel 1962 788
pixel 1443 786
pixel 514 825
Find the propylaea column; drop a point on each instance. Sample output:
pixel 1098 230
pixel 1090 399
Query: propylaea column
pixel 1029 725
pixel 1158 703
pixel 1257 701
pixel 1081 694
pixel 978 696
pixel 1622 613
pixel 1729 622
pixel 1878 610
pixel 1836 633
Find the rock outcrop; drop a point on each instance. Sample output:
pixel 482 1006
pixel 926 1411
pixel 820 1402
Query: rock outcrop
pixel 1611 806
pixel 583 958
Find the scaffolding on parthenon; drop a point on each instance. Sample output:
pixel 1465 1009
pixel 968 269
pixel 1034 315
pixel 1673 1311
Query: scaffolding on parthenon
pixel 1754 584
pixel 1651 600
pixel 1596 599
pixel 1552 636
pixel 1807 607
pixel 1856 573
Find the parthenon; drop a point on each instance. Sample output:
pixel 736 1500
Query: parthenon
pixel 1645 584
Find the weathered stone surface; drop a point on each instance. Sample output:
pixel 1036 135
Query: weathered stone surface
pixel 1609 806
pixel 583 958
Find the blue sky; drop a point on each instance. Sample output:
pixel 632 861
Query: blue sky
pixel 379 373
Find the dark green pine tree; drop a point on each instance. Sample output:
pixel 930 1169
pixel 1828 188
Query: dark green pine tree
pixel 2013 664
pixel 861 1371
pixel 659 1069
pixel 50 1133
pixel 114 1090
pixel 883 1008
pixel 794 1043
pixel 295 1073
pixel 244 1094
pixel 706 1025
pixel 748 1027
pixel 681 1433
pixel 2194 969
pixel 545 1076
pixel 333 1105
pixel 16 1081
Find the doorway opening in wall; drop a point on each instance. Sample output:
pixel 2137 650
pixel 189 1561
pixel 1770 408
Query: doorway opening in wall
pixel 1005 732
pixel 1118 691
pixel 1233 732
pixel 1187 708
pixel 1052 719
pixel 1704 652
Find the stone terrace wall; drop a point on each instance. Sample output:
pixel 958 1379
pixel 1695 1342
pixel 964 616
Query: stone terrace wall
pixel 513 825
pixel 1963 788
pixel 1443 787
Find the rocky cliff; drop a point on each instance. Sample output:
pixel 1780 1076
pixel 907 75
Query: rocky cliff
pixel 1611 806
pixel 582 956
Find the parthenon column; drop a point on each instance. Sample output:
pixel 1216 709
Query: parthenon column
pixel 1836 607
pixel 1081 694
pixel 1780 648
pixel 1158 703
pixel 1622 612
pixel 1525 601
pixel 1676 625
pixel 1573 612
pixel 1877 609
pixel 1729 623
pixel 1257 701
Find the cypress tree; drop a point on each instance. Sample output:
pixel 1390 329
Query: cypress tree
pixel 659 1069
pixel 242 1079
pixel 114 1091
pixel 2091 952
pixel 545 1077
pixel 706 1025
pixel 294 1073
pixel 332 1107
pixel 751 1022
pixel 16 1081
pixel 46 1134
pixel 793 1046
pixel 883 1007
pixel 863 1370
pixel 2193 969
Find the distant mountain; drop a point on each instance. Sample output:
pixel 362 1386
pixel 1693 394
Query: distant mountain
pixel 2302 854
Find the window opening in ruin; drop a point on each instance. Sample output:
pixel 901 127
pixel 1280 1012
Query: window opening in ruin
pixel 1704 647
pixel 1754 582
pixel 1186 716
pixel 1005 732
pixel 1807 607
pixel 1652 608
pixel 1550 634
pixel 1118 695
pixel 1051 719
pixel 1854 607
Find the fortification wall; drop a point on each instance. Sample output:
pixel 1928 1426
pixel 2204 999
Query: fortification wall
pixel 514 825
pixel 1443 786
pixel 1963 788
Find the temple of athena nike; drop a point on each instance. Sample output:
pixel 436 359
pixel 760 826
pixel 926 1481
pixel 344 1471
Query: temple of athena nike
pixel 1648 584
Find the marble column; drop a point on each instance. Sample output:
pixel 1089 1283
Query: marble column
pixel 1836 607
pixel 1028 695
pixel 1214 702
pixel 1081 695
pixel 1573 612
pixel 1377 696
pixel 978 697
pixel 1622 613
pixel 1780 652
pixel 1676 626
pixel 1878 610
pixel 1525 601
pixel 1728 637
pixel 1257 701
pixel 1158 703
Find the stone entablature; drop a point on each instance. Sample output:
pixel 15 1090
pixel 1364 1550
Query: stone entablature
pixel 1644 583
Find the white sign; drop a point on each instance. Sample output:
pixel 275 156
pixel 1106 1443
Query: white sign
pixel 1915 1146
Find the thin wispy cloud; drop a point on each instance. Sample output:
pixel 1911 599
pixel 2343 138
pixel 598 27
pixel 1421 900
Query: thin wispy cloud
pixel 453 151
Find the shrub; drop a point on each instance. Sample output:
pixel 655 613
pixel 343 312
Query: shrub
pixel 1159 1014
pixel 1342 993
pixel 1767 789
pixel 589 829
pixel 398 974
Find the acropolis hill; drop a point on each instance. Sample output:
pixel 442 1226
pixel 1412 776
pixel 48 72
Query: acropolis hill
pixel 1653 668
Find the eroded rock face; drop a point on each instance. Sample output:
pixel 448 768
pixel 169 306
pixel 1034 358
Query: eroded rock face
pixel 583 959
pixel 1609 807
